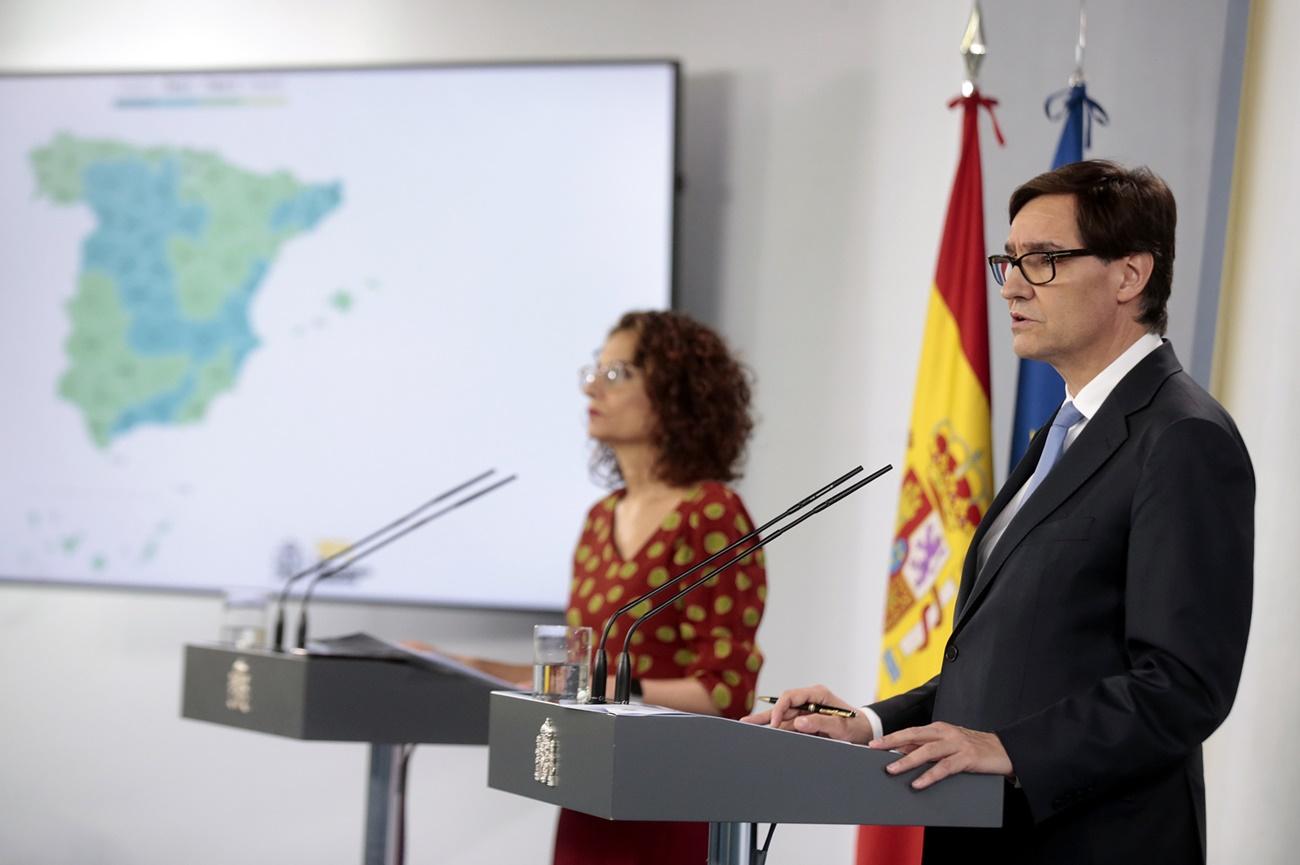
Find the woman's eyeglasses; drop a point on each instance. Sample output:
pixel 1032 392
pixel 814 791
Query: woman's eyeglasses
pixel 609 376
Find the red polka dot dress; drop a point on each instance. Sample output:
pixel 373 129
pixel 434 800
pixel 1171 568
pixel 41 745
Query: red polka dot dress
pixel 709 634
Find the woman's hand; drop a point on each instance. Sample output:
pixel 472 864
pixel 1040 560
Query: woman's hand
pixel 520 676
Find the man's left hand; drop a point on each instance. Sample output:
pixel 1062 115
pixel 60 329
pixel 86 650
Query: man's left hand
pixel 950 748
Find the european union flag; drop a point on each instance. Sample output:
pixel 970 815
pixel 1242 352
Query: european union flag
pixel 1039 390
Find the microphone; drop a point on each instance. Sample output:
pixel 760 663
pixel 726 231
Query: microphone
pixel 278 643
pixel 301 642
pixel 623 678
pixel 602 665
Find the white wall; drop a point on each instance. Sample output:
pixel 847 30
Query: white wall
pixel 818 153
pixel 1254 789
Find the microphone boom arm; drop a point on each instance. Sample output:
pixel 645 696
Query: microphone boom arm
pixel 623 678
pixel 600 670
pixel 301 642
pixel 278 643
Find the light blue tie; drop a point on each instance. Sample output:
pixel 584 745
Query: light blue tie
pixel 1067 417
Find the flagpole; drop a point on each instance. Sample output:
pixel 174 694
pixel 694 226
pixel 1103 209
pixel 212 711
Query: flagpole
pixel 948 479
pixel 1076 77
pixel 973 48
pixel 1039 389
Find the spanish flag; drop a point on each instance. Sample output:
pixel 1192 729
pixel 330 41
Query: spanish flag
pixel 948 471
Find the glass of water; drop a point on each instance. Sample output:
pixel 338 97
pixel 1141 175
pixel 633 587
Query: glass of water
pixel 562 663
pixel 243 617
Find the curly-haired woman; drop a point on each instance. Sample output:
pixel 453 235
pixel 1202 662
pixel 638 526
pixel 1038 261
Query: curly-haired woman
pixel 668 408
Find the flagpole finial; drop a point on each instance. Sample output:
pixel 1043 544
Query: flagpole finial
pixel 1076 77
pixel 973 48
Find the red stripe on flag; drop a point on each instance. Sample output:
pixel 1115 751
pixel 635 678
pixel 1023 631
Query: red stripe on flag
pixel 961 275
pixel 962 283
pixel 890 845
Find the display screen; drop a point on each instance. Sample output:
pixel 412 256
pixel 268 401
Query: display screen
pixel 248 317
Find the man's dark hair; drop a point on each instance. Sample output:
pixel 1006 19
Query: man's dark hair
pixel 1119 211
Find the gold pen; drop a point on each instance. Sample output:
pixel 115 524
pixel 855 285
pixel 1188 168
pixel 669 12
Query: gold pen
pixel 818 709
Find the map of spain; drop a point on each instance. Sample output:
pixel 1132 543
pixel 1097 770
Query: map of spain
pixel 182 242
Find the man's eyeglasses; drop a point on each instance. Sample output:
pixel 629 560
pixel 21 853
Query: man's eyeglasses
pixel 611 375
pixel 1038 268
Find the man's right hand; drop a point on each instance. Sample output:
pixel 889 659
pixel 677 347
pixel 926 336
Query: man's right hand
pixel 783 715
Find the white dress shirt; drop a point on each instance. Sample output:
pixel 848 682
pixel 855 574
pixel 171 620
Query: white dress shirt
pixel 1088 401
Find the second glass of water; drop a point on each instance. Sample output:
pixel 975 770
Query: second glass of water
pixel 243 617
pixel 562 663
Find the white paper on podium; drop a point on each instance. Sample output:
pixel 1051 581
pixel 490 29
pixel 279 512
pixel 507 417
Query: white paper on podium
pixel 366 646
pixel 628 709
pixel 608 708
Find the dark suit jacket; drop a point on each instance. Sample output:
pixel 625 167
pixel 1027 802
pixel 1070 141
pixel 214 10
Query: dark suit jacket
pixel 1104 638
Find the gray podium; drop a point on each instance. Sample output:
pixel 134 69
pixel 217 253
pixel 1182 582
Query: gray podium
pixel 706 769
pixel 390 703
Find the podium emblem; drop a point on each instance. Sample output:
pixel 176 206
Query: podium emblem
pixel 239 687
pixel 545 754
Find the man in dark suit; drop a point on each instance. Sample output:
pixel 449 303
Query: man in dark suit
pixel 1105 600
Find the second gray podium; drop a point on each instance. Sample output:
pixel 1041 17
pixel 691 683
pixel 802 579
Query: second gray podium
pixel 622 763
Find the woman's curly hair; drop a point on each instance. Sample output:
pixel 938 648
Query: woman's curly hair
pixel 700 395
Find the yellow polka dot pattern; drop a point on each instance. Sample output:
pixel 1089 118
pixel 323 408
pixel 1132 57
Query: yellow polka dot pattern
pixel 709 635
pixel 685 657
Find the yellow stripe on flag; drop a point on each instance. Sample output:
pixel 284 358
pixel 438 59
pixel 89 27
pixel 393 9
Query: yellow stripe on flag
pixel 947 487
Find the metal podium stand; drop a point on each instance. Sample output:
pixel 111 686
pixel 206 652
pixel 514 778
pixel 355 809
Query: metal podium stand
pixel 389 703
pixel 700 768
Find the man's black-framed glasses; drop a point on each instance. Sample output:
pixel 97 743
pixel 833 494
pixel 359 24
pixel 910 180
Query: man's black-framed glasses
pixel 1038 268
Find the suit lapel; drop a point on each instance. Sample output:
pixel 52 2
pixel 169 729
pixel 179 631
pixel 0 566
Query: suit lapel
pixel 1103 435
